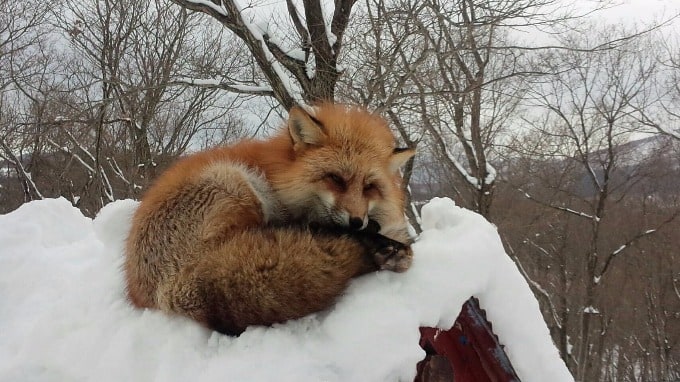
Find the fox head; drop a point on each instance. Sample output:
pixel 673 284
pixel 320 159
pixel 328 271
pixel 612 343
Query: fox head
pixel 345 169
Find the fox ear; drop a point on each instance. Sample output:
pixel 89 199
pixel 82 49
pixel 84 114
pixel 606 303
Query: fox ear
pixel 304 129
pixel 399 158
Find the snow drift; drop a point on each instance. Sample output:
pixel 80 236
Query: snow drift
pixel 64 315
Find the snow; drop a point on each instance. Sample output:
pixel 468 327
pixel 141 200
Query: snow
pixel 618 250
pixel 491 174
pixel 471 179
pixel 296 54
pixel 217 8
pixel 257 26
pixel 328 10
pixel 570 347
pixel 591 310
pixel 64 315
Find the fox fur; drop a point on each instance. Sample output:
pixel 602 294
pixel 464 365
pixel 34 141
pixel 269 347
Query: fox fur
pixel 223 236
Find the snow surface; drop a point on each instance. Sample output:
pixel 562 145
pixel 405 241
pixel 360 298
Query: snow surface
pixel 64 317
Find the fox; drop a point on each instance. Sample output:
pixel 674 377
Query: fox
pixel 264 231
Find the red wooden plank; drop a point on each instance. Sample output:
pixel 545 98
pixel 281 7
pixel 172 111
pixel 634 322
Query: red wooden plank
pixel 471 348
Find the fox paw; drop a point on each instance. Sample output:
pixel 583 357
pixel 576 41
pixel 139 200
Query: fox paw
pixel 395 257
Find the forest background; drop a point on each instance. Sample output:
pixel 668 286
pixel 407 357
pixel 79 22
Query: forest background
pixel 557 121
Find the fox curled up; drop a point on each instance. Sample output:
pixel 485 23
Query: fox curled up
pixel 270 230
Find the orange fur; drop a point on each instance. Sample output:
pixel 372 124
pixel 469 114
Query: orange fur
pixel 210 229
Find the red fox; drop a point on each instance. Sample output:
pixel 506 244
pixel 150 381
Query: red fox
pixel 222 236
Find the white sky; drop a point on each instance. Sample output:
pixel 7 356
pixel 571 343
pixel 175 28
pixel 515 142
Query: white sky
pixel 633 15
pixel 640 10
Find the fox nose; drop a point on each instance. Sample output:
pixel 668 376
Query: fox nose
pixel 356 223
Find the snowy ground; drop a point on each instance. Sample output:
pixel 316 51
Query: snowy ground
pixel 63 314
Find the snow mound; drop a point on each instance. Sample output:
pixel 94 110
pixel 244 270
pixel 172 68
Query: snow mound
pixel 64 315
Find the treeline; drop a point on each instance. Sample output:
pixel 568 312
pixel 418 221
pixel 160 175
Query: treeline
pixel 557 127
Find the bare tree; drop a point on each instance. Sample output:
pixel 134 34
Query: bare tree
pixel 121 115
pixel 23 36
pixel 659 110
pixel 448 74
pixel 110 105
pixel 305 70
pixel 590 112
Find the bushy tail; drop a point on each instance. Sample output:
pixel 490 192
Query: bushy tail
pixel 267 275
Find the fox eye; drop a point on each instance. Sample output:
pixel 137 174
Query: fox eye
pixel 372 189
pixel 337 180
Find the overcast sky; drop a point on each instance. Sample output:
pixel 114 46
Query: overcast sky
pixel 639 10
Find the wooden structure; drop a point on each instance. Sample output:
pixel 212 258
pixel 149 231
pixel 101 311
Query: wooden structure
pixel 468 352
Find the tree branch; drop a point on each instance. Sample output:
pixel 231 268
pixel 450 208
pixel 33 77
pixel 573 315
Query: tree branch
pixel 231 87
pixel 634 239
